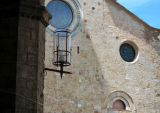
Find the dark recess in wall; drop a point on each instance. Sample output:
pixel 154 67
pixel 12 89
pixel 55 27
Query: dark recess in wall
pixel 8 54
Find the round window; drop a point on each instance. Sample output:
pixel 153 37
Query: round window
pixel 61 12
pixel 127 52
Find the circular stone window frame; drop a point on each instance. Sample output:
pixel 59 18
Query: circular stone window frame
pixel 77 21
pixel 135 47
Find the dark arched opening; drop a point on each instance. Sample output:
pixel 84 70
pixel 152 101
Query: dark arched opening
pixel 119 105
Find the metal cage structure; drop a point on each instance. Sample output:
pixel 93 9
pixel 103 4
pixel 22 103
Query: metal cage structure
pixel 67 19
pixel 62 48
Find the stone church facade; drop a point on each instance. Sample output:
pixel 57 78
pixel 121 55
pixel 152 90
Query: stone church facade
pixel 99 74
pixel 102 79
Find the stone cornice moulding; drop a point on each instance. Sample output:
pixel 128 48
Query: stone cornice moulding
pixel 33 11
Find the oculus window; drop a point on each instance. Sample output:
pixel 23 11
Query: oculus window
pixel 61 12
pixel 127 52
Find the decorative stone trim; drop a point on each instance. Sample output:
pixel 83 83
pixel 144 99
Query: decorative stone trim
pixel 37 12
pixel 119 95
pixel 45 17
pixel 77 16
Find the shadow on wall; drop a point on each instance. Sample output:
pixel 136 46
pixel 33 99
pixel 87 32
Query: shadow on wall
pixel 93 88
pixel 85 89
pixel 8 54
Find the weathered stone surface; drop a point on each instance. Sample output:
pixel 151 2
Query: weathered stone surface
pixel 30 57
pixel 98 69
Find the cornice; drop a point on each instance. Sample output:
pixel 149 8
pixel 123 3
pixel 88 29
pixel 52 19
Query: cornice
pixel 34 11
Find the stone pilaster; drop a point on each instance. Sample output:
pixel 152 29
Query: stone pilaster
pixel 31 38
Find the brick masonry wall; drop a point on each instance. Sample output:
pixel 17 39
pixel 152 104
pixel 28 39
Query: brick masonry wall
pixel 98 69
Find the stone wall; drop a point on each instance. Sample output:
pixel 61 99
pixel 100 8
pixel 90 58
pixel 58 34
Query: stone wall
pixel 22 31
pixel 30 57
pixel 98 69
